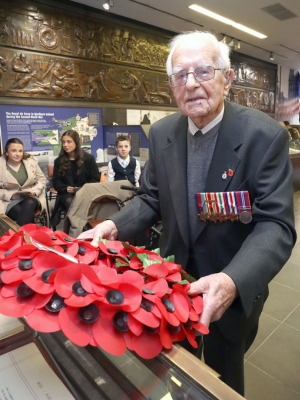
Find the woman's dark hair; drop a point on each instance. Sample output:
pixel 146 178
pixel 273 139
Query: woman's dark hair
pixel 65 162
pixel 15 141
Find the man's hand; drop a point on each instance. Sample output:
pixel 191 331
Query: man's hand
pixel 218 291
pixel 105 230
pixel 70 189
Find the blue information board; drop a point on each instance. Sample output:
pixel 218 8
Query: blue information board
pixel 40 128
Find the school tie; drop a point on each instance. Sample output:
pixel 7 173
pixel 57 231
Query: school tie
pixel 124 163
pixel 198 134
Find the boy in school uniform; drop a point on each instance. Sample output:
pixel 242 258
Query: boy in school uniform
pixel 123 166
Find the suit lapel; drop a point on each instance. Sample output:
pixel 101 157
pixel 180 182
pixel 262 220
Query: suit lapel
pixel 224 156
pixel 176 165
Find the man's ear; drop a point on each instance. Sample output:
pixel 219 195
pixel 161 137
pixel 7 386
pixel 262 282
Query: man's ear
pixel 229 76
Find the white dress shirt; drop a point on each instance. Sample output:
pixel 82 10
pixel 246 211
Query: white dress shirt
pixel 193 127
pixel 111 172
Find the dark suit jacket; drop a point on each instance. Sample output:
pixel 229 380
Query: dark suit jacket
pixel 89 174
pixel 255 147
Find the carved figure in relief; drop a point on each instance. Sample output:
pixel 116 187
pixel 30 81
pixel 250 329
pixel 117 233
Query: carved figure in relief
pixel 130 47
pixel 65 83
pixel 25 80
pixel 132 83
pixel 156 94
pixel 21 66
pixel 115 44
pixel 122 44
pixel 4 33
pixel 3 68
pixel 99 78
pixel 93 50
pixel 81 47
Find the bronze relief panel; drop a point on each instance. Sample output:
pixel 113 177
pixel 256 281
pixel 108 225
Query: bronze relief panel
pixel 28 74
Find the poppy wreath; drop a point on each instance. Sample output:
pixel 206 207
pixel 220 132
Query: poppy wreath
pixel 117 296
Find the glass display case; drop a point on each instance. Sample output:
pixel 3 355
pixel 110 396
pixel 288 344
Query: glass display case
pixel 90 373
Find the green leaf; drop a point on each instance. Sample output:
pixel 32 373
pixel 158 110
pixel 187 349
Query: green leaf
pixel 119 263
pixel 124 259
pixel 142 256
pixel 103 240
pixel 170 258
pixel 157 251
pixel 147 263
pixel 184 282
pixel 128 246
pixel 132 254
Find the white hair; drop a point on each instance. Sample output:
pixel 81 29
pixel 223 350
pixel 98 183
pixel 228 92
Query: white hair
pixel 221 49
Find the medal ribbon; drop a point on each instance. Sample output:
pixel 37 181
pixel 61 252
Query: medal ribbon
pixel 236 202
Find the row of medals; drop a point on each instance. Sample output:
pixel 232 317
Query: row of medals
pixel 245 217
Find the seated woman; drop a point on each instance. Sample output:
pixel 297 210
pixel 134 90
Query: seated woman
pixel 21 184
pixel 72 169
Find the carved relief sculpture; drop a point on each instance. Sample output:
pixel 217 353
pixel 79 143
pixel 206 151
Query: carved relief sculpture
pixel 3 68
pixel 111 61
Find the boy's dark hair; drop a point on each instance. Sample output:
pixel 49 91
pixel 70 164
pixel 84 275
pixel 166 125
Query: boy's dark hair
pixel 121 138
pixel 286 123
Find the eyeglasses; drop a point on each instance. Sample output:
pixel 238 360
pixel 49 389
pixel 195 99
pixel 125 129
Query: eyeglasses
pixel 205 73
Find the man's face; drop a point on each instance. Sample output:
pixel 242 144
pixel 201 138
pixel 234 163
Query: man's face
pixel 123 148
pixel 201 101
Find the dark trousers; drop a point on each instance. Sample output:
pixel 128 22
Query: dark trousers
pixel 225 357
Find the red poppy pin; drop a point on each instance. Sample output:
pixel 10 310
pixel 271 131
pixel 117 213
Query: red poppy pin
pixel 230 172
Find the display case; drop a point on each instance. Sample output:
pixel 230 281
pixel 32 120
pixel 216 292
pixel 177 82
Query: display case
pixel 90 373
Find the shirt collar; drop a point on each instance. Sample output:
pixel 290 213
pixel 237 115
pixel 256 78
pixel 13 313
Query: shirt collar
pixel 193 127
pixel 120 160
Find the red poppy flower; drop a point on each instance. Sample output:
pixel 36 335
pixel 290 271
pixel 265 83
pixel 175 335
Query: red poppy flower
pixel 136 263
pixel 74 284
pixel 230 172
pixel 79 330
pixel 64 243
pixel 108 337
pixel 28 228
pixel 113 248
pixel 147 345
pixel 124 293
pixel 103 260
pixel 140 250
pixel 4 238
pixel 18 300
pixel 18 265
pixel 42 320
pixel 43 267
pixel 15 241
pixel 86 252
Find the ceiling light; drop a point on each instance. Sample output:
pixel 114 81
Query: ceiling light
pixel 237 45
pixel 107 4
pixel 227 21
pixel 225 39
pixel 231 44
pixel 272 56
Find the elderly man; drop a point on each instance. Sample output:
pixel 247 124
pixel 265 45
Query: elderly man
pixel 189 152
